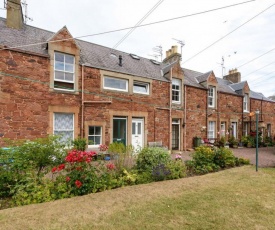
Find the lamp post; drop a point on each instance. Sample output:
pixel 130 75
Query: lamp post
pixel 257 121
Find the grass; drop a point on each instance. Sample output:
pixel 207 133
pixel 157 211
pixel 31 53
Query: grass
pixel 237 198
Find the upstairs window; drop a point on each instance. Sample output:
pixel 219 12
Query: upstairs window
pixel 176 91
pixel 245 103
pixel 141 87
pixel 211 96
pixel 115 84
pixel 64 72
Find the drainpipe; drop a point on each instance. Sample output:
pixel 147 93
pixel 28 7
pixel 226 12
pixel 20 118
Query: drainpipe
pixel 82 100
pixel 170 111
pixel 184 119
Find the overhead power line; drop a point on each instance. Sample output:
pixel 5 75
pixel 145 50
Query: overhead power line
pixel 137 24
pixel 255 58
pixel 127 28
pixel 228 34
pixel 258 69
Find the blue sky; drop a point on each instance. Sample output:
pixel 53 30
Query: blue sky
pixel 86 17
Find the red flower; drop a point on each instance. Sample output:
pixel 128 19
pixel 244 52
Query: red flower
pixel 60 167
pixel 78 183
pixel 68 179
pixel 54 169
pixel 110 166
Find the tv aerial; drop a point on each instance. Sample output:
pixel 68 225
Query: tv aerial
pixel 182 44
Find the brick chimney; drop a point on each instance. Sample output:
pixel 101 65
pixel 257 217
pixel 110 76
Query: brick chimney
pixel 14 14
pixel 172 55
pixel 233 76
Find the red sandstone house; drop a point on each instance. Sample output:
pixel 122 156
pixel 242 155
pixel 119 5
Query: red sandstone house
pixel 51 83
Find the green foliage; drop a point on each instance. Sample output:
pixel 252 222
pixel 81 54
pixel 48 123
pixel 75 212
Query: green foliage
pixel 123 160
pixel 222 141
pixel 35 156
pixel 150 157
pixel 144 177
pixel 232 141
pixel 224 158
pixel 32 189
pixel 177 169
pixel 244 140
pixel 116 148
pixel 79 143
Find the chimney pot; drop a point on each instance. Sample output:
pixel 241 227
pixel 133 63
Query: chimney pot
pixel 14 14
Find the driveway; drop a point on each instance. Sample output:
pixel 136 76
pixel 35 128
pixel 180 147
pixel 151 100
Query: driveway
pixel 266 155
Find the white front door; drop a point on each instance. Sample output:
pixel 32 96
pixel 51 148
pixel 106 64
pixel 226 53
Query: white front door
pixel 137 133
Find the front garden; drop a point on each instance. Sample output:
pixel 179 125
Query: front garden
pixel 43 170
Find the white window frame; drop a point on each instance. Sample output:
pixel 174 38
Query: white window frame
pixel 113 88
pixel 268 128
pixel 211 129
pixel 211 96
pixel 145 84
pixel 245 103
pixel 176 82
pixel 94 135
pixel 56 130
pixel 245 128
pixel 64 71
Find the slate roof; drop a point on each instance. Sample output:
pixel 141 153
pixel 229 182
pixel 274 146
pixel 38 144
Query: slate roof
pixel 91 54
pixel 203 77
pixel 238 86
pixel 190 78
pixel 259 96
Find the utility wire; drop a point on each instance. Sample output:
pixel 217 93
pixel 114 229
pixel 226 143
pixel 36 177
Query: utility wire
pixel 137 24
pixel 258 69
pixel 118 30
pixel 256 57
pixel 227 34
pixel 261 79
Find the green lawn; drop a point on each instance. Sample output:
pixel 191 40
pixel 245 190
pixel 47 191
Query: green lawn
pixel 237 198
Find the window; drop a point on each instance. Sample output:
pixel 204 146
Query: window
pixel 141 87
pixel 95 135
pixel 64 71
pixel 245 103
pixel 223 127
pixel 176 90
pixel 64 126
pixel 115 84
pixel 211 96
pixel 211 129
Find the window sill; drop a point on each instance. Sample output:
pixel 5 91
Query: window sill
pixel 64 91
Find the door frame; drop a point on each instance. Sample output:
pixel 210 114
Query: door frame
pixel 136 119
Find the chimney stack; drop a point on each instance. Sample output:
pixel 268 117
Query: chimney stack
pixel 233 76
pixel 14 14
pixel 172 55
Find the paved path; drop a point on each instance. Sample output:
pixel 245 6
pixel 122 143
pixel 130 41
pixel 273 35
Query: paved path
pixel 266 155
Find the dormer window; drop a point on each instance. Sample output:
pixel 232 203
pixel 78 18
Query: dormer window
pixel 64 73
pixel 176 91
pixel 245 103
pixel 211 96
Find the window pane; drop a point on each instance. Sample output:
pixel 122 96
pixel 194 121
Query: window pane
pixel 140 88
pixel 69 68
pixel 91 130
pixel 91 140
pixel 59 57
pixel 115 83
pixel 63 121
pixel 59 66
pixel 69 77
pixel 97 130
pixel 97 140
pixel 133 128
pixel 59 75
pixel 69 59
pixel 139 128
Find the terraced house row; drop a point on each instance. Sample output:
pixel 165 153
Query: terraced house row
pixel 51 83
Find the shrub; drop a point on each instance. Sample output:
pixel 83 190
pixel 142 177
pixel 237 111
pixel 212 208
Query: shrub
pixel 79 143
pixel 150 157
pixel 177 169
pixel 160 172
pixel 224 158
